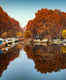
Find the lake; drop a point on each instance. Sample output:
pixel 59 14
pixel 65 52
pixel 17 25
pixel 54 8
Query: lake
pixel 33 62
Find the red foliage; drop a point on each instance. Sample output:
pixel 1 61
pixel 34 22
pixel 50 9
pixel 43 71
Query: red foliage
pixel 5 59
pixel 8 24
pixel 47 23
pixel 46 59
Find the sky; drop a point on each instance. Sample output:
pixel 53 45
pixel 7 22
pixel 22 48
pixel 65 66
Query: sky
pixel 24 10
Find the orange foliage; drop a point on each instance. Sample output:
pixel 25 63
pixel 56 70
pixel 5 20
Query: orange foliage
pixel 8 24
pixel 7 57
pixel 47 59
pixel 47 22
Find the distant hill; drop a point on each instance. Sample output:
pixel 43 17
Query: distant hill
pixel 47 24
pixel 8 26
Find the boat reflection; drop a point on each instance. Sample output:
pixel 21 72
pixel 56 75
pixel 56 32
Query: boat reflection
pixel 8 55
pixel 47 58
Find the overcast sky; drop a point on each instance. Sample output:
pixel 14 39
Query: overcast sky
pixel 24 10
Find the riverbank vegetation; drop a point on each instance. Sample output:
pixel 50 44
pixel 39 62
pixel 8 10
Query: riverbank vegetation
pixel 9 27
pixel 50 24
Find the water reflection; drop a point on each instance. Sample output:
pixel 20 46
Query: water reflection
pixel 47 58
pixel 7 55
pixel 44 59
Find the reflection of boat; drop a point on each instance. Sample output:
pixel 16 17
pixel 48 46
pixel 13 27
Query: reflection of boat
pixel 1 51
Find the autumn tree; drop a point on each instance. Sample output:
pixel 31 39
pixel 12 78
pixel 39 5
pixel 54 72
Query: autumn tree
pixel 8 25
pixel 19 34
pixel 64 33
pixel 27 34
pixel 47 24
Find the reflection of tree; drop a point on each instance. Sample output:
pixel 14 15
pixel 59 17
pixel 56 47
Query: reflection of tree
pixel 6 58
pixel 47 59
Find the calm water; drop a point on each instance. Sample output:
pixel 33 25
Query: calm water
pixel 33 63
